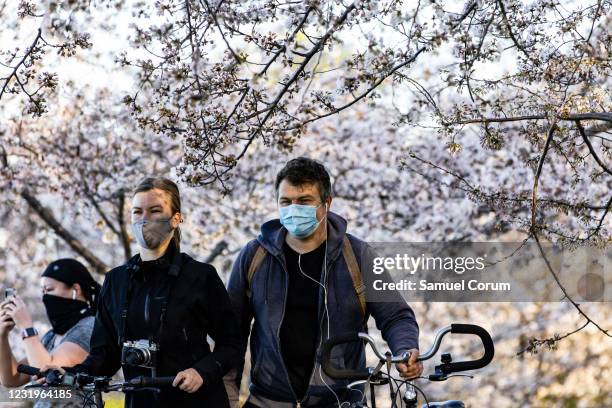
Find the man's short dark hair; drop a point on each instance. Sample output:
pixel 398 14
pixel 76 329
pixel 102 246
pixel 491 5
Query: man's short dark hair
pixel 302 170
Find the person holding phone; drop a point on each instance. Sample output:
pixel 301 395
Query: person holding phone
pixel 70 297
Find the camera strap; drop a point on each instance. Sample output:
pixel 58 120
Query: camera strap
pixel 173 273
pixel 132 268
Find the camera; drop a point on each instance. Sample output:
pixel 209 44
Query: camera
pixel 140 353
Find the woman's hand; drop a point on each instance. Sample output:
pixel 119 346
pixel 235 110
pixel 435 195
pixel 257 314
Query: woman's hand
pixel 6 322
pixel 46 369
pixel 18 311
pixel 188 380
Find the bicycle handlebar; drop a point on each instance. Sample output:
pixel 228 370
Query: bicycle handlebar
pixel 363 374
pixel 83 380
pixel 330 370
pixel 155 382
pixel 487 343
pixel 29 370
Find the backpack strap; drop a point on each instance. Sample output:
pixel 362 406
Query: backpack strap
pixel 259 256
pixel 349 258
pixel 353 267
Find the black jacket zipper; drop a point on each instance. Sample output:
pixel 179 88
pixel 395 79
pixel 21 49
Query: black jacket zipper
pixel 282 263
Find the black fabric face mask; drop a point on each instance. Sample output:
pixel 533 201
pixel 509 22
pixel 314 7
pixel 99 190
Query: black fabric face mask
pixel 63 313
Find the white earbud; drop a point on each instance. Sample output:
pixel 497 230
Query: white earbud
pixel 73 294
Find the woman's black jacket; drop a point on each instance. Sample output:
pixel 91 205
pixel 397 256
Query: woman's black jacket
pixel 197 306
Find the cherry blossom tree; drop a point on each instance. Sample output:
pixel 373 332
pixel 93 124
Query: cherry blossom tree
pixel 459 121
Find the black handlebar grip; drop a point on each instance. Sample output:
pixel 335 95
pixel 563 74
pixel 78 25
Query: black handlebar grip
pixel 332 371
pixel 29 370
pixel 487 342
pixel 142 382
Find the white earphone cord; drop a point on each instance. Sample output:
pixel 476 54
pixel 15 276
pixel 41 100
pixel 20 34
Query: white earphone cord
pixel 340 404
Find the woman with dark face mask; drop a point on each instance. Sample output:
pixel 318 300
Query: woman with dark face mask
pixel 69 296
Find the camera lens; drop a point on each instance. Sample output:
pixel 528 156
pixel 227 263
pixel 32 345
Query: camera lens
pixel 137 357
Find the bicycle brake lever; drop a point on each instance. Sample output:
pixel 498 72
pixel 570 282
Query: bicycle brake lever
pixel 461 375
pixel 355 383
pixel 376 370
pixel 376 380
pixel 439 374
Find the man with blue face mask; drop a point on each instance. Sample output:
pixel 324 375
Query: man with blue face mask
pixel 298 284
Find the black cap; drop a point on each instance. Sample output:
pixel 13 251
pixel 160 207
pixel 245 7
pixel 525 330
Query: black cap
pixel 71 271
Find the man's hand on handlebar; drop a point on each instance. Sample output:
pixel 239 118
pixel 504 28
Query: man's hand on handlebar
pixel 412 368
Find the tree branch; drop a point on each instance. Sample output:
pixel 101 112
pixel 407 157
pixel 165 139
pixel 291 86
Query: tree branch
pixel 604 116
pixel 214 16
pixel 534 229
pixel 295 76
pixel 46 215
pixel 217 250
pixel 601 220
pixel 591 149
pixel 512 37
pixel 536 179
pixel 16 68
pixel 576 305
pixel 534 343
pixel 364 94
pixel 125 238
pixel 599 128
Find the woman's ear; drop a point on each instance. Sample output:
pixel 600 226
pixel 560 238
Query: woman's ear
pixel 176 219
pixel 77 292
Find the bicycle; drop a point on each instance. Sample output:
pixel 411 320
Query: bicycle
pixel 376 377
pixel 94 386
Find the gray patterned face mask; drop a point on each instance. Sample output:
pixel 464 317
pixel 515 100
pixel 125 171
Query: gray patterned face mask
pixel 151 233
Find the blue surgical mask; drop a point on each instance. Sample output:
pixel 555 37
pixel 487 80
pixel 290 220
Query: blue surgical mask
pixel 300 220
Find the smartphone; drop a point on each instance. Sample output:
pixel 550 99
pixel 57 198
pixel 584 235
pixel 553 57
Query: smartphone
pixel 9 292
